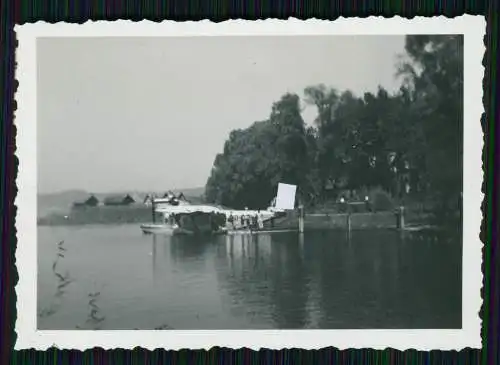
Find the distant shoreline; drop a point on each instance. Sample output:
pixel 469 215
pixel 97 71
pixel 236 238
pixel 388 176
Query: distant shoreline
pixel 139 213
pixel 54 206
pixel 136 213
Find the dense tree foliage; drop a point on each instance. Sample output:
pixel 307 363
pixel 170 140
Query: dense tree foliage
pixel 255 160
pixel 434 80
pixel 408 143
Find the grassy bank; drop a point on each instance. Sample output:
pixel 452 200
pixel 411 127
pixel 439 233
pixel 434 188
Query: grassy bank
pixel 365 220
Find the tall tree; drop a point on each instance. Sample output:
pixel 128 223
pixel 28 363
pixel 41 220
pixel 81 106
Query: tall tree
pixel 256 159
pixel 412 138
pixel 434 80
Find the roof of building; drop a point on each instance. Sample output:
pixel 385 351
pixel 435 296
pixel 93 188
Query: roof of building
pixel 118 199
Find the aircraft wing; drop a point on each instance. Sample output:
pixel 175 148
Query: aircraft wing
pixel 188 209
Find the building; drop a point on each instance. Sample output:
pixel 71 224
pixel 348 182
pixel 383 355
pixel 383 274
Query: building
pixel 91 201
pixel 119 200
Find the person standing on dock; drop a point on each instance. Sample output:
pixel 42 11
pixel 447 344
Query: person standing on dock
pixel 247 219
pixel 255 221
pixel 260 222
pixel 230 220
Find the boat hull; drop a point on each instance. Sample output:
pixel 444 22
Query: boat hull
pixel 164 229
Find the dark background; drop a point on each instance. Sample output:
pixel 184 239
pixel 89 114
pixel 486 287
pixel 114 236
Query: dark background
pixel 19 12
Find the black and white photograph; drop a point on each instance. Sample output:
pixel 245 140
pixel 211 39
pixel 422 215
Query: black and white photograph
pixel 252 182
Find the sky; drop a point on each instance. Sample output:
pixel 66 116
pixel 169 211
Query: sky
pixel 150 114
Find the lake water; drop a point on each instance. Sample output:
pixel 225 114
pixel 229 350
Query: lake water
pixel 324 279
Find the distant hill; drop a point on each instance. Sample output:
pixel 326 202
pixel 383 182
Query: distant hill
pixel 61 202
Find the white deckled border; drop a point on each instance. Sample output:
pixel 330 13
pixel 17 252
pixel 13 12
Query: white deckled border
pixel 473 29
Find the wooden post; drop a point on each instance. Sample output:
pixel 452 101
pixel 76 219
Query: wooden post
pixel 400 218
pixel 301 218
pixel 348 223
pixel 301 243
pixel 153 210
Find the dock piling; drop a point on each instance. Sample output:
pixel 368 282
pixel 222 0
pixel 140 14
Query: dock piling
pixel 153 210
pixel 301 219
pixel 348 217
pixel 400 218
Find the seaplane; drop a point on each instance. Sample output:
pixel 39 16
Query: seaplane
pixel 177 216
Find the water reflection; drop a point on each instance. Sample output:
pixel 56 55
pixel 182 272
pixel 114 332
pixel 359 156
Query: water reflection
pixel 187 248
pixel 261 274
pixel 154 258
pixel 365 279
pixel 318 279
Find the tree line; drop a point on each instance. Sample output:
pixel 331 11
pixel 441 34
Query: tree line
pixel 408 143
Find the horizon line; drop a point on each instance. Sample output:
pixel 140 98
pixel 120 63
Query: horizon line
pixel 114 192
